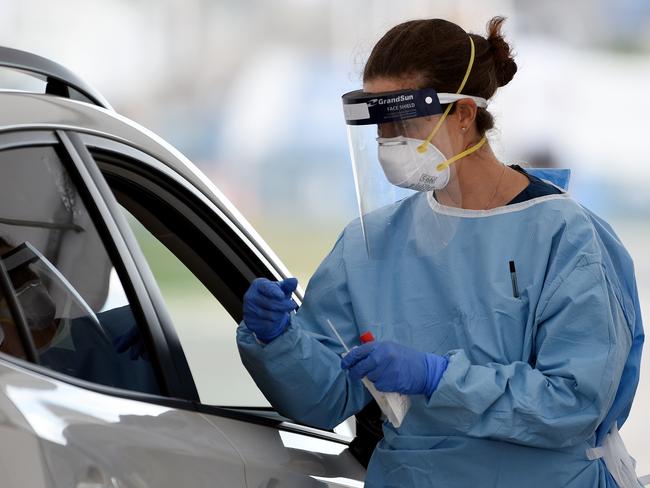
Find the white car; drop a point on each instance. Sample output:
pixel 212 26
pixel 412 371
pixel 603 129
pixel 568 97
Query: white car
pixel 106 379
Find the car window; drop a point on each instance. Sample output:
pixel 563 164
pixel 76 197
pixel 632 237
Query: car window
pixel 71 298
pixel 202 269
pixel 204 327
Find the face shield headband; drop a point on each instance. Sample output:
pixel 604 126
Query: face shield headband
pixel 361 108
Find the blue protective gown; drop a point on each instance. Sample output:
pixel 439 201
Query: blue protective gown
pixel 530 379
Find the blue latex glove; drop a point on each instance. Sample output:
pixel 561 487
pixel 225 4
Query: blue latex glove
pixel 267 305
pixel 394 367
pixel 131 341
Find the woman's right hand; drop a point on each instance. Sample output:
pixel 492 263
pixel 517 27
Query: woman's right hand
pixel 267 305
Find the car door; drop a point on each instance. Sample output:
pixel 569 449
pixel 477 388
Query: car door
pixel 75 411
pixel 203 259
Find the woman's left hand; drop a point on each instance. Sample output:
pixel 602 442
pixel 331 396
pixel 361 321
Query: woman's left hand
pixel 394 367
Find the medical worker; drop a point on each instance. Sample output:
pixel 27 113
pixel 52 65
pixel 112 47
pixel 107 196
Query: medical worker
pixel 502 310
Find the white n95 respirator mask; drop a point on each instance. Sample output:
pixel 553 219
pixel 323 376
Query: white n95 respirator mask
pixel 407 167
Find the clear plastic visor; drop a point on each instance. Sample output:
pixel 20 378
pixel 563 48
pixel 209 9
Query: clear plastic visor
pixel 393 180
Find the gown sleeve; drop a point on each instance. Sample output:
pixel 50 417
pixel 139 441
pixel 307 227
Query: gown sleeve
pixel 300 371
pixel 581 345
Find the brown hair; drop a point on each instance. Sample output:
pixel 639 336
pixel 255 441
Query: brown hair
pixel 436 53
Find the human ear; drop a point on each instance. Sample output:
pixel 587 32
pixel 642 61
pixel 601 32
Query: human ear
pixel 465 114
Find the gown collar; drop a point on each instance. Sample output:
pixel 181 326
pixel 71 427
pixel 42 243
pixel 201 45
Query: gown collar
pixel 469 213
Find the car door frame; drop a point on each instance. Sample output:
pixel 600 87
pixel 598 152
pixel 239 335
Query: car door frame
pixel 178 389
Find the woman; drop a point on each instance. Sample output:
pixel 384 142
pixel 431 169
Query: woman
pixel 505 311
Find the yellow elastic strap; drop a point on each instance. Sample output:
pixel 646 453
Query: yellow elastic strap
pixel 466 152
pixel 422 148
pixel 472 52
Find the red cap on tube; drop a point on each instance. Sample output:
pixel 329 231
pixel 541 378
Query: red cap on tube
pixel 367 337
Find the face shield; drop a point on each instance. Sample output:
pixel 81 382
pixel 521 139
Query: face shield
pixel 399 146
pixel 398 143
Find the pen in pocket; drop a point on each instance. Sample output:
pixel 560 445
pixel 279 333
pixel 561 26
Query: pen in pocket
pixel 513 278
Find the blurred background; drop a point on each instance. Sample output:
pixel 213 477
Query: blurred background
pixel 250 91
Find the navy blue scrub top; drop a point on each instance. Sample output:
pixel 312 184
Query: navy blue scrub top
pixel 536 188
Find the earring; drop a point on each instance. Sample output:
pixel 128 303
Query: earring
pixel 463 128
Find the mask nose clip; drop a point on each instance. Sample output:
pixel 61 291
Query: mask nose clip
pixel 392 141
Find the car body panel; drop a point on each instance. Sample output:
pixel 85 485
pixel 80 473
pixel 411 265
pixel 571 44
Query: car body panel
pixel 94 439
pixel 276 457
pixel 72 436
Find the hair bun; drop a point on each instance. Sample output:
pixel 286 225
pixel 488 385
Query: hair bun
pixel 503 59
